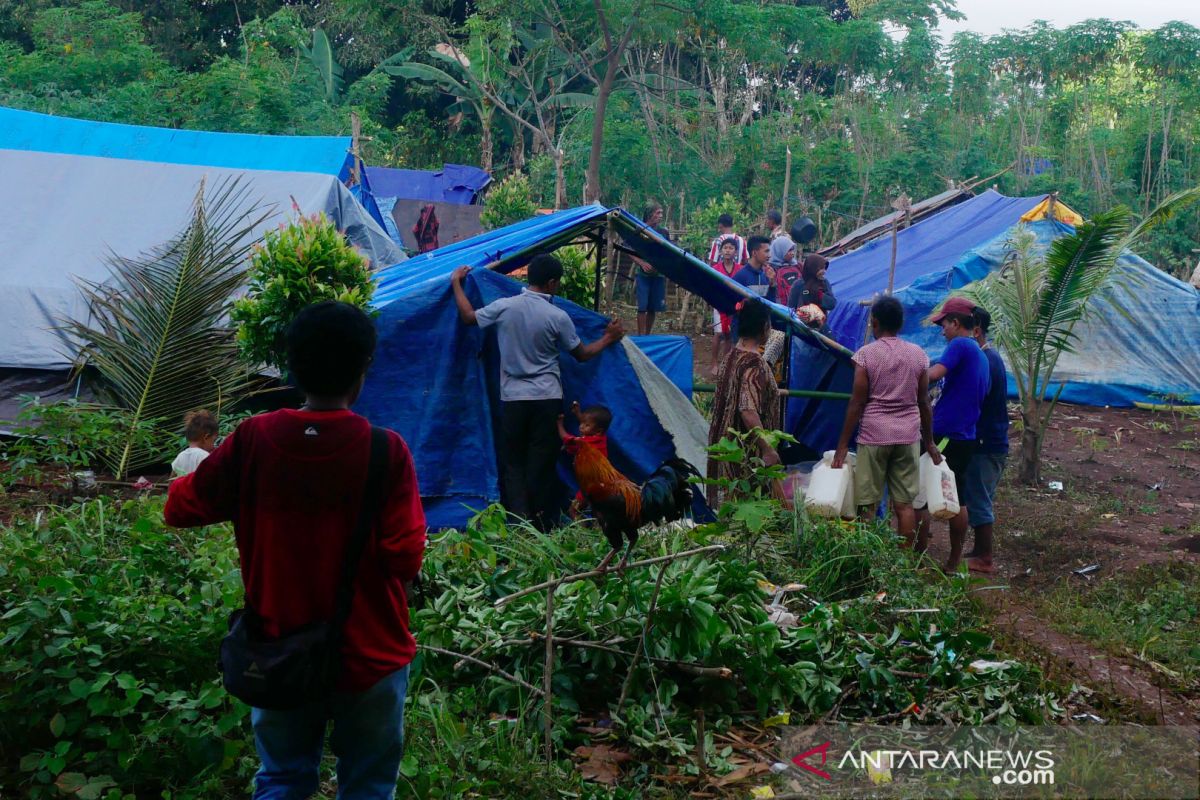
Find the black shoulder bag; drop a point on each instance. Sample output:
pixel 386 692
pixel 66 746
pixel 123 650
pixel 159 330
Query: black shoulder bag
pixel 304 665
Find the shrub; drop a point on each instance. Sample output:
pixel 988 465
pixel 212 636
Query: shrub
pixel 298 264
pixel 508 202
pixel 107 676
pixel 579 275
pixel 703 225
pixel 76 435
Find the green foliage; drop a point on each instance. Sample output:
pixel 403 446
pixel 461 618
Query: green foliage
pixel 298 264
pixel 702 225
pixel 155 332
pixel 579 275
pixel 507 202
pixel 710 611
pixel 78 436
pixel 110 626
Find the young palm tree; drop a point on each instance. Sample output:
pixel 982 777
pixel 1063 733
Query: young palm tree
pixel 157 334
pixel 1036 301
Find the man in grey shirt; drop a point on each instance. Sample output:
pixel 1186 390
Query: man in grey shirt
pixel 530 333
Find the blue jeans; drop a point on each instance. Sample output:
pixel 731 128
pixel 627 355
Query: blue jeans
pixel 367 738
pixel 651 293
pixel 978 487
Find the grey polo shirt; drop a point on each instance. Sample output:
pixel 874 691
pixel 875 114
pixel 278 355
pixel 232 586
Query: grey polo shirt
pixel 530 331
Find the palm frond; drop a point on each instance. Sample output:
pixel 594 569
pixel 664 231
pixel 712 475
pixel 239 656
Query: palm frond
pixel 1164 211
pixel 156 332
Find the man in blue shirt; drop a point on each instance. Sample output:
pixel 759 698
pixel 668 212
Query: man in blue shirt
pixel 530 333
pixel 991 452
pixel 757 275
pixel 965 370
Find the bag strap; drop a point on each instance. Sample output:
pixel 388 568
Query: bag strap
pixel 372 500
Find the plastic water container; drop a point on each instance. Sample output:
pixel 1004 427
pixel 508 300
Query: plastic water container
pixel 829 489
pixel 939 488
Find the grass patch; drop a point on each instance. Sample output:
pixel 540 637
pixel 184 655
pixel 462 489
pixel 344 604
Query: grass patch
pixel 1152 613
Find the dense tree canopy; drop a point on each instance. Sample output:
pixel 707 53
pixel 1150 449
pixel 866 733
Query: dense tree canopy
pixel 683 102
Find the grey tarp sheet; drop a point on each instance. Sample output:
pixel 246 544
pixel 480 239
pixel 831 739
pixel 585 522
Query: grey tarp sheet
pixel 61 215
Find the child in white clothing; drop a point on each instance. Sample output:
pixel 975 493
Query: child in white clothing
pixel 200 428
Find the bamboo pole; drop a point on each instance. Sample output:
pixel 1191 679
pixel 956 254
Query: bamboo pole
pixel 582 576
pixel 708 388
pixel 611 258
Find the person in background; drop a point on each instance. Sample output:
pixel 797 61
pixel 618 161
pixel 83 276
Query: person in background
pixel 725 233
pixel 651 287
pixel 292 482
pixel 813 288
pixel 757 275
pixel 530 333
pixel 594 422
pixel 728 265
pixel 964 368
pixel 747 396
pixel 991 452
pixel 773 224
pixel 889 406
pixel 783 262
pixel 200 430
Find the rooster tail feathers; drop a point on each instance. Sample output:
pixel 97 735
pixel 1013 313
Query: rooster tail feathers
pixel 667 493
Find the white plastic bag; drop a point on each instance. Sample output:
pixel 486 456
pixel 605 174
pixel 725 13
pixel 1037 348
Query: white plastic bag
pixel 939 487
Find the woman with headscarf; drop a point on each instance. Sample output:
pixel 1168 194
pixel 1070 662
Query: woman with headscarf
pixel 787 269
pixel 813 289
pixel 747 396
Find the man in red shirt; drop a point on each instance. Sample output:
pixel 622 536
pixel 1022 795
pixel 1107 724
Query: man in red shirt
pixel 292 482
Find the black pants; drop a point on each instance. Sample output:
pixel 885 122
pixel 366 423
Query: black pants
pixel 530 445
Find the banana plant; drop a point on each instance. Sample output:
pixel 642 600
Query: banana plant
pixel 156 333
pixel 321 55
pixel 1036 300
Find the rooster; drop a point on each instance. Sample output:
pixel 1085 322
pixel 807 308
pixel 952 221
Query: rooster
pixel 622 507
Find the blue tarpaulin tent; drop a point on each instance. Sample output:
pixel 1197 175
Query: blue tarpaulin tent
pixel 453 183
pixel 434 380
pixel 1155 352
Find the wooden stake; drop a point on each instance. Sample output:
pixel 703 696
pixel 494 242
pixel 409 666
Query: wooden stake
pixel 902 204
pixel 547 675
pixel 610 253
pixel 355 136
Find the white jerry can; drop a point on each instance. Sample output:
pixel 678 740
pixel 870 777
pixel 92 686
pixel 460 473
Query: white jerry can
pixel 939 488
pixel 829 490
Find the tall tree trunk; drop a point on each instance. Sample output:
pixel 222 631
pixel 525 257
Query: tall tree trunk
pixel 560 183
pixel 591 190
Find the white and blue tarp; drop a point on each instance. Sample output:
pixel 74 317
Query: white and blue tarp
pixel 435 380
pixel 77 193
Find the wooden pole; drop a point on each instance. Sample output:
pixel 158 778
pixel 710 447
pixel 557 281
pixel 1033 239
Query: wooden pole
pixel 599 267
pixel 355 138
pixel 902 204
pixel 610 253
pixel 787 186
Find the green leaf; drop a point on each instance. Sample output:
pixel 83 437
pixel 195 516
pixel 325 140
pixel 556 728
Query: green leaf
pixel 58 724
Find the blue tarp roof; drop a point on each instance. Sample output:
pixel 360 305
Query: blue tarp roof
pixel 449 418
pixel 28 130
pixel 1122 361
pixel 454 183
